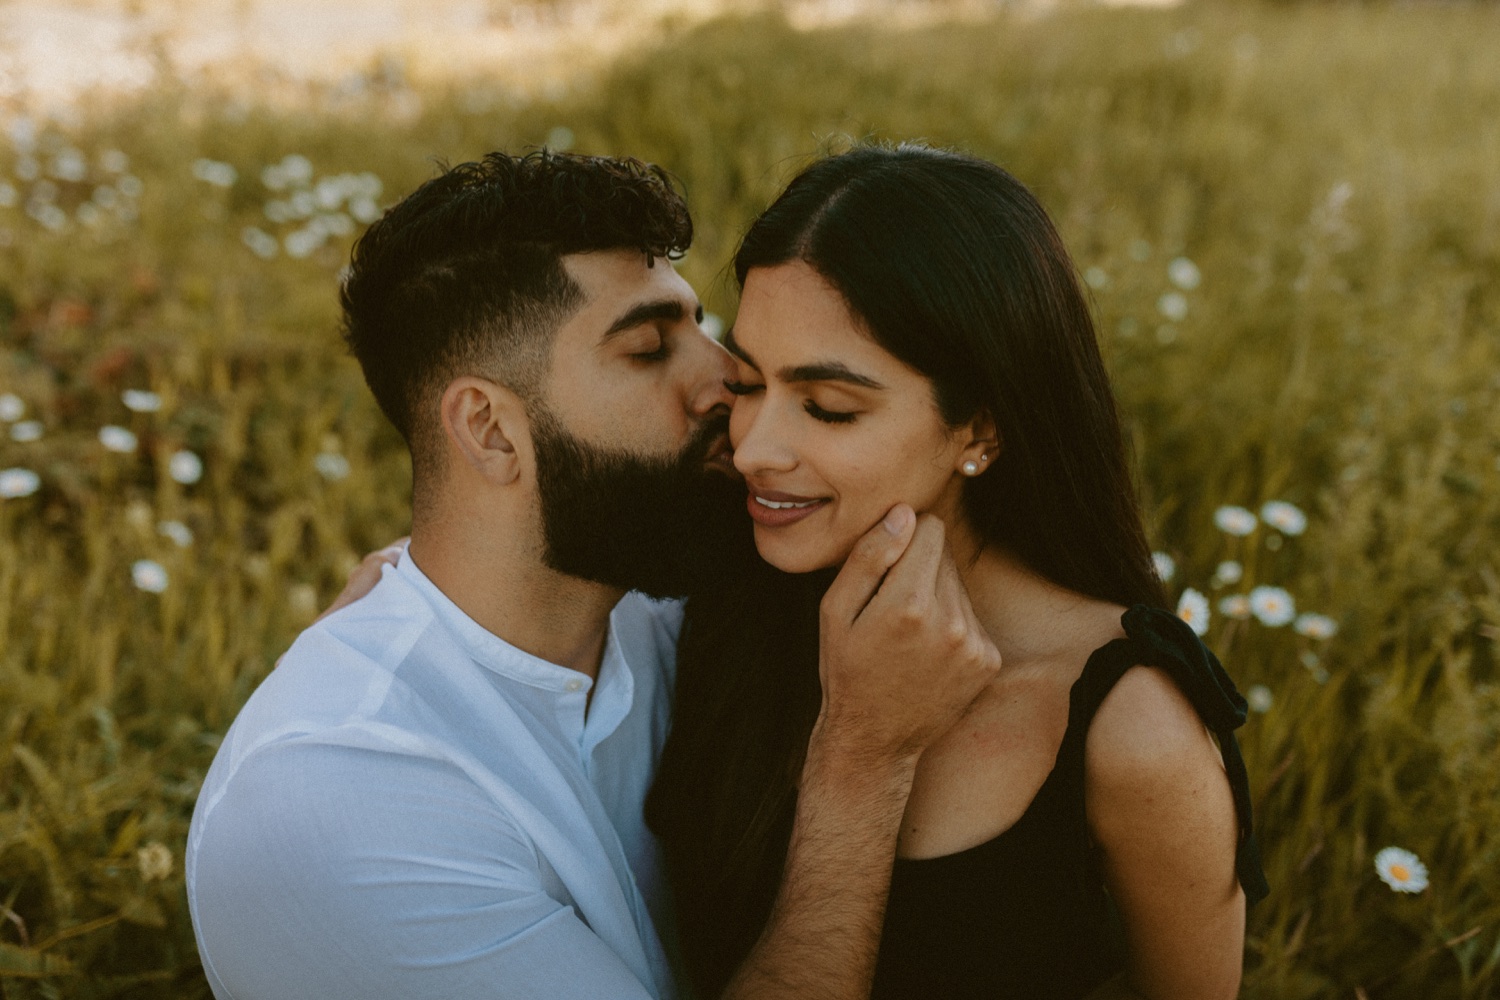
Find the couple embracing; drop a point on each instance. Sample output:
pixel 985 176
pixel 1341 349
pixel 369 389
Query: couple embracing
pixel 920 727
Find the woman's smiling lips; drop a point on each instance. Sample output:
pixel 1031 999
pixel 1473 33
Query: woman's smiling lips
pixel 775 510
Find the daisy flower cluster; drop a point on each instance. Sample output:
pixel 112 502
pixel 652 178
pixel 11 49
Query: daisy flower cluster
pixel 1240 600
pixel 303 210
pixel 143 423
pixel 182 466
pixel 1174 303
pixel 57 186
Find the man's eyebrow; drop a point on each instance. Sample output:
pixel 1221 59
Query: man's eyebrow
pixel 646 312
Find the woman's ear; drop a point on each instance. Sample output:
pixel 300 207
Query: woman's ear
pixel 981 444
pixel 482 422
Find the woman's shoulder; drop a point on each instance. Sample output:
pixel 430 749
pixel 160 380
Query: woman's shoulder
pixel 1162 699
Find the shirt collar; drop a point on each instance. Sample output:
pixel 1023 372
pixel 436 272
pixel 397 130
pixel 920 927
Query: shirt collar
pixel 488 649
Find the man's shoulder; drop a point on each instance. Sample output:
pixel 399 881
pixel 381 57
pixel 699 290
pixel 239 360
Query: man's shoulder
pixel 661 614
pixel 648 628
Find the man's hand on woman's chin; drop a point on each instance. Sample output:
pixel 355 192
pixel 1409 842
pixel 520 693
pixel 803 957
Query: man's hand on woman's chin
pixel 902 654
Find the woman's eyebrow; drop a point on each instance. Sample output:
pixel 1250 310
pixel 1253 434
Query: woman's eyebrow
pixel 828 371
pixel 733 347
pixel 818 371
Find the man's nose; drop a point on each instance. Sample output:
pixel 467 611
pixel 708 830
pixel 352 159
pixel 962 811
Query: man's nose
pixel 712 367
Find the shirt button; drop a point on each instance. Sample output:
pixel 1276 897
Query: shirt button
pixel 574 685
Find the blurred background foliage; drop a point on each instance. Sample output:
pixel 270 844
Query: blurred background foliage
pixel 1289 219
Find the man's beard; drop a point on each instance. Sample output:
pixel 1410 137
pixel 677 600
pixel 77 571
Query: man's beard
pixel 664 525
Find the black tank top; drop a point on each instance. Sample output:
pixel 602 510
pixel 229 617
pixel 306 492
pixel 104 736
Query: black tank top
pixel 1026 915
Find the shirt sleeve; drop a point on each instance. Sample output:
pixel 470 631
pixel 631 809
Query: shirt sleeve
pixel 334 872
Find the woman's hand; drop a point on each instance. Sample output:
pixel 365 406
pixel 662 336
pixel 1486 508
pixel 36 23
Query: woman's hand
pixel 362 578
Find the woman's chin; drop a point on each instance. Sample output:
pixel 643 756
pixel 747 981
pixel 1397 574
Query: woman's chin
pixel 790 557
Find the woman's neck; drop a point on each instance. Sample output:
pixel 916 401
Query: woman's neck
pixel 1028 617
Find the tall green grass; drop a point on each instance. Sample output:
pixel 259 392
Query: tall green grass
pixel 1332 174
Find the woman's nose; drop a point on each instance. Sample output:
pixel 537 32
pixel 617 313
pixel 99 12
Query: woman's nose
pixel 758 437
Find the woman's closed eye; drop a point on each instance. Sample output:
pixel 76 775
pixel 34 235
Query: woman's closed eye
pixel 828 416
pixel 741 388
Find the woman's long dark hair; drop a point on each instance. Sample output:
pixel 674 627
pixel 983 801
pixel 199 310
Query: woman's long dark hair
pixel 954 268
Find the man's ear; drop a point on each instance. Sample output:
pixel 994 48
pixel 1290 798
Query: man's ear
pixel 483 421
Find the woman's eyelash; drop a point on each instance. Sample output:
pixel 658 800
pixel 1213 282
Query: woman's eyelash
pixel 828 416
pixel 739 388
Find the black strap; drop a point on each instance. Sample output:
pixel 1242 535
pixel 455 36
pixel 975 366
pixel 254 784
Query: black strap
pixel 1160 639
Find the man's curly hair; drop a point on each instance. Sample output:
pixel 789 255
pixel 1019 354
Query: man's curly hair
pixel 465 275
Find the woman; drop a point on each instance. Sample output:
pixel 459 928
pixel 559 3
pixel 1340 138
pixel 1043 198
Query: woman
pixel 911 330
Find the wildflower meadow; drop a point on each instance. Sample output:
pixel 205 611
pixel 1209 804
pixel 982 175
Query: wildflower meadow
pixel 1288 218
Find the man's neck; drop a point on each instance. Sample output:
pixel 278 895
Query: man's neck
pixel 503 585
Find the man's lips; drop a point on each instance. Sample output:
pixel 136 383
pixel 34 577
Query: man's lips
pixel 775 509
pixel 721 456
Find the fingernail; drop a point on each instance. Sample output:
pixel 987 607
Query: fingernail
pixel 895 520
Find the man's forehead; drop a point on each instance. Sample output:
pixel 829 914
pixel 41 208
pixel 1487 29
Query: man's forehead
pixel 619 273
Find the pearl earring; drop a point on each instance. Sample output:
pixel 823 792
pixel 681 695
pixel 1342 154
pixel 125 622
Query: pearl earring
pixel 971 468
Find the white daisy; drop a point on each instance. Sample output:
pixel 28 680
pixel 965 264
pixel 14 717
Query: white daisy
pixel 1259 698
pixel 154 861
pixel 1192 607
pixel 1284 517
pixel 1236 606
pixel 177 532
pixel 1166 566
pixel 215 172
pixel 1184 273
pixel 1173 305
pixel 140 401
pixel 117 439
pixel 149 576
pixel 26 430
pixel 15 483
pixel 296 168
pixel 300 243
pixel 261 243
pixel 1272 605
pixel 12 407
pixel 1227 572
pixel 303 599
pixel 70 165
pixel 185 467
pixel 1400 869
pixel 364 210
pixel 1315 626
pixel 331 465
pixel 1234 520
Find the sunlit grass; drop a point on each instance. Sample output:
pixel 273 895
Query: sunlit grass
pixel 1290 223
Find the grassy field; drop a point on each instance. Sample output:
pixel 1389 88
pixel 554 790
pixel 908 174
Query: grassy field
pixel 1290 220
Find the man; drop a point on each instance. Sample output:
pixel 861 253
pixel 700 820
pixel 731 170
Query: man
pixel 438 791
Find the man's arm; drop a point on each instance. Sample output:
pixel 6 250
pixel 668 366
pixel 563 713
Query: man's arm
pixel 902 656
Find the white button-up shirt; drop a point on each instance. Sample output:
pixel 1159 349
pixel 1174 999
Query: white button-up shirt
pixel 410 807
